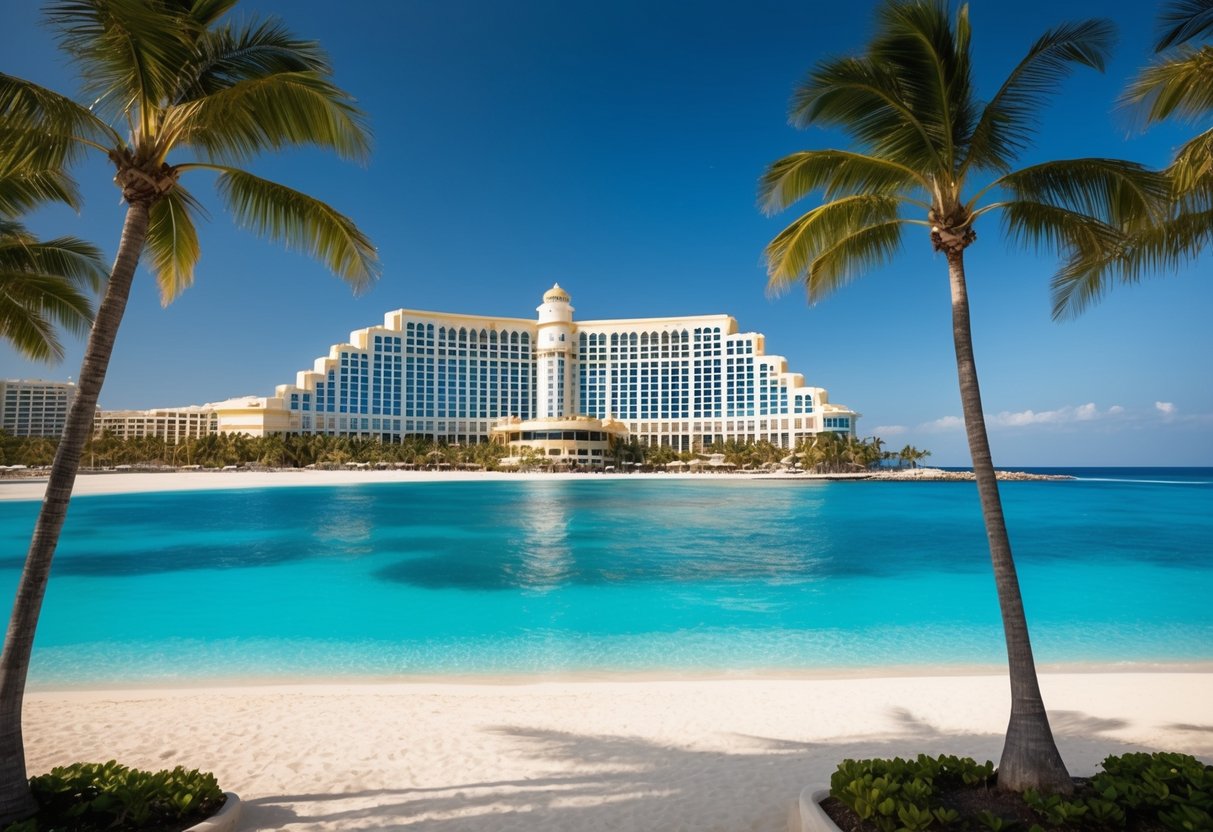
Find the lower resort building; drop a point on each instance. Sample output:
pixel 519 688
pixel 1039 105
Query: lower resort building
pixel 567 388
pixel 172 424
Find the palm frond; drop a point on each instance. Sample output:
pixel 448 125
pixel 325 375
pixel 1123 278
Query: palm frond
pixel 23 190
pixel 1112 191
pixel 1007 122
pixel 130 52
pixel 42 130
pixel 206 13
pixel 228 55
pixel 851 256
pixel 864 99
pixel 792 254
pixel 835 173
pixel 40 286
pixel 303 223
pixel 1183 20
pixel 1192 168
pixel 281 110
pixel 1127 258
pixel 69 258
pixel 930 57
pixel 172 242
pixel 25 328
pixel 1180 85
pixel 1050 227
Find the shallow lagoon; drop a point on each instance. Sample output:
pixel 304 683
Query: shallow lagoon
pixel 614 574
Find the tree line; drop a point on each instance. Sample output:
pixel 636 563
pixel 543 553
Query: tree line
pixel 824 453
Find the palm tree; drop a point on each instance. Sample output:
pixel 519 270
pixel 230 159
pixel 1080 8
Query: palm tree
pixel 41 282
pixel 923 143
pixel 175 79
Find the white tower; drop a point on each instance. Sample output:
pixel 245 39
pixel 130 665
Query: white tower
pixel 554 356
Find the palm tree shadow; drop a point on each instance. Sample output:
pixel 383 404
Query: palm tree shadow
pixel 622 782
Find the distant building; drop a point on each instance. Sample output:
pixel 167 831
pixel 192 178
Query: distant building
pixel 32 407
pixel 566 387
pixel 172 424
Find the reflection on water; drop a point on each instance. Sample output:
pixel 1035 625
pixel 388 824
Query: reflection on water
pixel 346 524
pixel 544 556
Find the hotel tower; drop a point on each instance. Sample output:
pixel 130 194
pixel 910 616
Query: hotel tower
pixel 565 387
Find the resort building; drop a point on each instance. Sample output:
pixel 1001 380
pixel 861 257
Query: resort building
pixel 568 388
pixel 32 407
pixel 172 424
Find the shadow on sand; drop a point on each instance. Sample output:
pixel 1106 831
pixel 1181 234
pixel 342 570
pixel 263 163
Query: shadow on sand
pixel 629 784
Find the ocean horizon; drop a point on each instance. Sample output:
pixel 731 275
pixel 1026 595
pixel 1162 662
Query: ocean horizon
pixel 613 575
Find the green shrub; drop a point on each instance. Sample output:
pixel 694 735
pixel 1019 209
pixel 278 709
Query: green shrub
pixel 107 796
pixel 1172 791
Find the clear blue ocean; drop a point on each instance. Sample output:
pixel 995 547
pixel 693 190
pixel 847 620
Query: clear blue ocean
pixel 614 574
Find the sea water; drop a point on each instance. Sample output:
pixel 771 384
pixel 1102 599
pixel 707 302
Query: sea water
pixel 613 574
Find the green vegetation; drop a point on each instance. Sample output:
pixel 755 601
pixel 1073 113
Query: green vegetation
pixel 1133 792
pixel 826 453
pixel 92 797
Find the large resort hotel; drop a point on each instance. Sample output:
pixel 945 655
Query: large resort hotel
pixel 566 388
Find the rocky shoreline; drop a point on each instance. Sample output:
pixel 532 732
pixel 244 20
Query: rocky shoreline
pixel 938 474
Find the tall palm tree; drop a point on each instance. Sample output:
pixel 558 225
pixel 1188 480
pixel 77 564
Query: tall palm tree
pixel 42 283
pixel 1178 85
pixel 166 78
pixel 928 153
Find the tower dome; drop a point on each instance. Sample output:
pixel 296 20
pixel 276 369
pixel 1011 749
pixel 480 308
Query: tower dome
pixel 556 295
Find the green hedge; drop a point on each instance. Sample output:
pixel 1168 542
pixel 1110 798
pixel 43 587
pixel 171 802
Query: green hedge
pixel 1168 791
pixel 89 797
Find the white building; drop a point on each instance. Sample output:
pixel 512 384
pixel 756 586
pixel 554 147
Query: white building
pixel 684 382
pixel 172 424
pixel 32 407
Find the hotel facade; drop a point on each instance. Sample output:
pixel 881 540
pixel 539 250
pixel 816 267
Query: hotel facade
pixel 563 386
pixel 32 407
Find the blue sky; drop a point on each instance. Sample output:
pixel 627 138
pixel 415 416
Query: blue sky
pixel 615 148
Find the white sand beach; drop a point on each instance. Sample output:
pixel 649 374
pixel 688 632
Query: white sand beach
pixel 88 484
pixel 578 756
pixel 127 482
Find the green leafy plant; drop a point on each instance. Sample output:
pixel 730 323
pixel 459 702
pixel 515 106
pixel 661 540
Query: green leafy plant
pixel 108 796
pixel 1134 791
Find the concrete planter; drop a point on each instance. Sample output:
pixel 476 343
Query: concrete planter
pixel 812 817
pixel 222 821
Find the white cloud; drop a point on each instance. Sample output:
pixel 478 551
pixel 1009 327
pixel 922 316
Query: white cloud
pixel 1165 408
pixel 942 425
pixel 1063 415
pixel 889 430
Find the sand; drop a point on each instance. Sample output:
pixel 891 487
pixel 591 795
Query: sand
pixel 90 484
pixel 579 756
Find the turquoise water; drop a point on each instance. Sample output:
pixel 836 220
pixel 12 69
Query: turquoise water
pixel 614 574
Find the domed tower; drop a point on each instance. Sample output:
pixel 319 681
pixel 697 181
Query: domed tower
pixel 554 354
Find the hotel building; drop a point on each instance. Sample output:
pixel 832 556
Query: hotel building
pixel 567 387
pixel 172 424
pixel 31 407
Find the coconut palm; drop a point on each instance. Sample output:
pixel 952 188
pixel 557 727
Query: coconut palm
pixel 175 89
pixel 928 153
pixel 1178 85
pixel 42 282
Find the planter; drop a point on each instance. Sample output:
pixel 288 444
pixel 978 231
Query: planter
pixel 222 821
pixel 812 818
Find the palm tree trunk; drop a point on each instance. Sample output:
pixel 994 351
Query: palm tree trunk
pixel 15 799
pixel 1030 759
